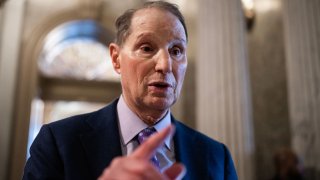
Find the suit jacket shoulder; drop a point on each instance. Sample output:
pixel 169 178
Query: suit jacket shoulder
pixel 79 147
pixel 204 158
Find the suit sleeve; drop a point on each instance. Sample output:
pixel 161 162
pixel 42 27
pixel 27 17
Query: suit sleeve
pixel 229 169
pixel 44 161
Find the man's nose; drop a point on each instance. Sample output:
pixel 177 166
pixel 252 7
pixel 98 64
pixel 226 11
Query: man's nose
pixel 163 62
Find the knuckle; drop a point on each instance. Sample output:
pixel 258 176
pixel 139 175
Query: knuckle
pixel 116 161
pixel 145 166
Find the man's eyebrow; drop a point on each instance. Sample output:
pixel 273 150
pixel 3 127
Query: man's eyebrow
pixel 149 34
pixel 181 39
pixel 144 34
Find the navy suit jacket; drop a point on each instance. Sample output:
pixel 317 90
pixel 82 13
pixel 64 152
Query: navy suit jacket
pixel 81 147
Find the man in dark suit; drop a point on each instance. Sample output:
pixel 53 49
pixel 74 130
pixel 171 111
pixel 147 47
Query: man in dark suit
pixel 113 143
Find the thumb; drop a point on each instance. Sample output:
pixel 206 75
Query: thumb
pixel 176 171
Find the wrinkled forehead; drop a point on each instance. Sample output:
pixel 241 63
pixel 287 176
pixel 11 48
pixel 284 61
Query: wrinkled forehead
pixel 157 20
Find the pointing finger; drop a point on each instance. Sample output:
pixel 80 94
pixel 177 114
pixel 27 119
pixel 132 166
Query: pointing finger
pixel 148 148
pixel 177 171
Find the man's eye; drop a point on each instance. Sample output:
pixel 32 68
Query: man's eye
pixel 146 48
pixel 176 51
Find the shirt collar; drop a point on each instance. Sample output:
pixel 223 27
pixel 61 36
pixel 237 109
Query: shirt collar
pixel 131 124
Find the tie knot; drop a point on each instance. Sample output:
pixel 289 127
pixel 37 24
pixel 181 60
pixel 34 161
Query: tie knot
pixel 145 134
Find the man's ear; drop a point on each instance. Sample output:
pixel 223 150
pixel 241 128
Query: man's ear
pixel 114 51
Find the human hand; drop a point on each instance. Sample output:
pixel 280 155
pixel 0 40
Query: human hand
pixel 138 166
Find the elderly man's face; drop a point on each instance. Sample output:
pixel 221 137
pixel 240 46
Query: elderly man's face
pixel 152 61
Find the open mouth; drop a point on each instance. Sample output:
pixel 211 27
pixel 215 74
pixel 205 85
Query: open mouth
pixel 160 84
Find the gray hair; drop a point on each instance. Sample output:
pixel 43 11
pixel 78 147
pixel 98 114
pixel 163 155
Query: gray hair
pixel 123 22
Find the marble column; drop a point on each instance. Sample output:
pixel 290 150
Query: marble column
pixel 223 93
pixel 10 31
pixel 302 43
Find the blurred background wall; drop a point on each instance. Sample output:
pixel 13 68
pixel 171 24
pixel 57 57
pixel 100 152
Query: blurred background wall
pixel 253 78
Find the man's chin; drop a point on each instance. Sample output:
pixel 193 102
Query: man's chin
pixel 161 104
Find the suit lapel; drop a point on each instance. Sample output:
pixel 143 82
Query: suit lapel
pixel 102 143
pixel 183 143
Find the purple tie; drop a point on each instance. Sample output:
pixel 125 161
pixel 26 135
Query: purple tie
pixel 144 135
